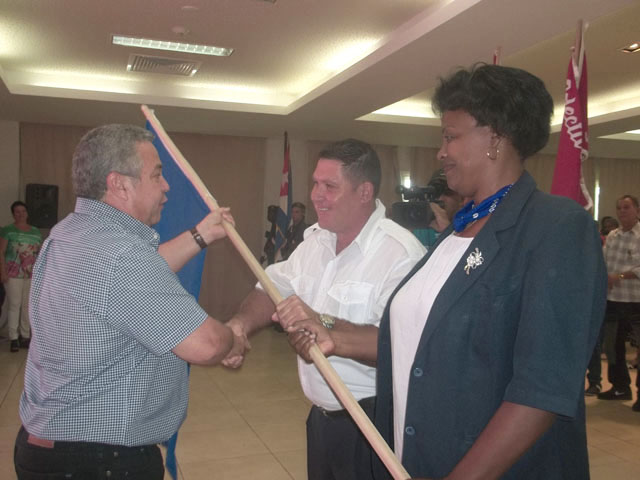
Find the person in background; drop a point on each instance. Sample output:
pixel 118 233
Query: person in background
pixel 622 254
pixel 607 224
pixel 444 206
pixel 594 369
pixel 339 277
pixel 106 378
pixel 295 232
pixel 19 246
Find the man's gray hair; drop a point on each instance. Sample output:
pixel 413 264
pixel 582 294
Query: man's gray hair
pixel 106 149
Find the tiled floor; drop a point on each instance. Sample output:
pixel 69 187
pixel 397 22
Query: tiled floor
pixel 249 424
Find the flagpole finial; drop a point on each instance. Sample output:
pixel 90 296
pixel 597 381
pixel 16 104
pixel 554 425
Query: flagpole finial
pixel 497 54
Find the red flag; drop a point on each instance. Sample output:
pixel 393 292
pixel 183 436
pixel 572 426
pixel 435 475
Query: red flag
pixel 573 148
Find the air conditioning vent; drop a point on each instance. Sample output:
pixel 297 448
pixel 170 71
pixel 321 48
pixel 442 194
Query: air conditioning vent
pixel 168 66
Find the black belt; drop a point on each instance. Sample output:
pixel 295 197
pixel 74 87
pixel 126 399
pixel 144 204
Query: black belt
pixel 364 403
pixel 115 450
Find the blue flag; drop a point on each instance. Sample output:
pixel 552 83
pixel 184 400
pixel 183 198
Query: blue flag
pixel 183 210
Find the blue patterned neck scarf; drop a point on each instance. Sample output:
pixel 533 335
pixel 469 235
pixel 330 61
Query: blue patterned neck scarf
pixel 469 214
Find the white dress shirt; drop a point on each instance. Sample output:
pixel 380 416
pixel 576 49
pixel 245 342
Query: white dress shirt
pixel 353 285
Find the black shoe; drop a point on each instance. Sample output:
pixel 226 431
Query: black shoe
pixel 15 346
pixel 593 390
pixel 24 342
pixel 636 406
pixel 614 394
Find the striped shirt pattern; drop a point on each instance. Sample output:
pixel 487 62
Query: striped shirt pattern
pixel 622 254
pixel 106 311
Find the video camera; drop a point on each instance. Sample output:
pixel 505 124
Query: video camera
pixel 415 212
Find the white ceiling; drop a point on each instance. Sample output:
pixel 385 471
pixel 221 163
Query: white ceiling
pixel 312 67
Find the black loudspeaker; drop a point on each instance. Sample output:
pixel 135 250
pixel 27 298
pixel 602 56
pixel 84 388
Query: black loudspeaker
pixel 42 204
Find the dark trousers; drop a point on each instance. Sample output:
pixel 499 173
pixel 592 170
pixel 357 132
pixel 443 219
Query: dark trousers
pixel 624 315
pixel 594 369
pixel 39 460
pixel 336 449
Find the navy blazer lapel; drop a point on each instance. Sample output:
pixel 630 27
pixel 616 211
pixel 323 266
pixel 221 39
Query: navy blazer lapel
pixel 487 243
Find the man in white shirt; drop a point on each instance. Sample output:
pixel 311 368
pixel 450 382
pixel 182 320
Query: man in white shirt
pixel 342 273
pixel 622 256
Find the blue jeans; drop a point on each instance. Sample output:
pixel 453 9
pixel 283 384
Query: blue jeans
pixel 35 460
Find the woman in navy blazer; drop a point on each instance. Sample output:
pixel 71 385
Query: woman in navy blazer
pixel 483 347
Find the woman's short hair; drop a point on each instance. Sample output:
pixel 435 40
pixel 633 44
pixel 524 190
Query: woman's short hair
pixel 106 149
pixel 514 103
pixel 18 203
pixel 360 161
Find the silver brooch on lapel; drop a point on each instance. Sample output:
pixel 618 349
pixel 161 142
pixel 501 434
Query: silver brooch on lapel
pixel 474 260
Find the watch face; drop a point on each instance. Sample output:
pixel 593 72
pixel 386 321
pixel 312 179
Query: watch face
pixel 327 320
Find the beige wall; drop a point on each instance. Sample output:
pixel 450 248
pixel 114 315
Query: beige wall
pixel 10 172
pixel 245 173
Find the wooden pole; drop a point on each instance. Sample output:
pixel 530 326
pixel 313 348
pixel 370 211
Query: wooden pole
pixel 577 46
pixel 322 364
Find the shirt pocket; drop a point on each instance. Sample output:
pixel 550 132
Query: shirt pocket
pixel 354 300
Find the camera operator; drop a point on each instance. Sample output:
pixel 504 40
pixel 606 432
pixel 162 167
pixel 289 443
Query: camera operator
pixel 429 210
pixel 446 204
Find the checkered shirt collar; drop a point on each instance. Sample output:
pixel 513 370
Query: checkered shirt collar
pixel 100 209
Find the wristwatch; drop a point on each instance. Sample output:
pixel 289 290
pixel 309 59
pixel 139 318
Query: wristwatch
pixel 327 321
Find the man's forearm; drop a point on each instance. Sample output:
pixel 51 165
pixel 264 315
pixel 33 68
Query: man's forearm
pixel 254 313
pixel 179 250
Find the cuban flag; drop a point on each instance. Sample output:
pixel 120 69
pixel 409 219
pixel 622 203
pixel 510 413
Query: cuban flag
pixel 184 209
pixel 284 208
pixel 573 147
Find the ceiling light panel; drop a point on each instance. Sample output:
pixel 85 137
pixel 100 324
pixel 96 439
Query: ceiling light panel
pixel 171 46
pixel 634 47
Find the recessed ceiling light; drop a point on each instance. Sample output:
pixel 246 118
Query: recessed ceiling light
pixel 634 47
pixel 171 46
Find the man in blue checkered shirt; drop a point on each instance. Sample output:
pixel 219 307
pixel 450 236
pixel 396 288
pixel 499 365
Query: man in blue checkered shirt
pixel 106 376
